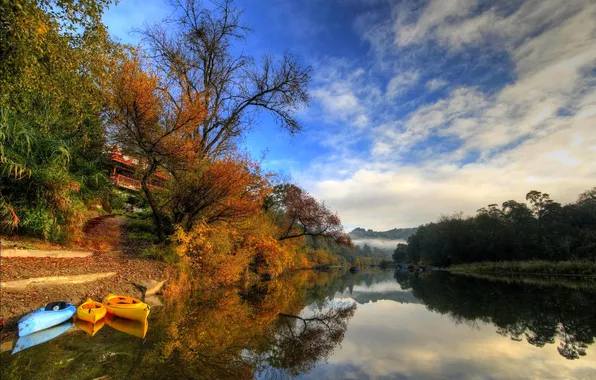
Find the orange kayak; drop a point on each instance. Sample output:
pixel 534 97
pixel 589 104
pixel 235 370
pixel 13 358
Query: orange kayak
pixel 126 307
pixel 91 311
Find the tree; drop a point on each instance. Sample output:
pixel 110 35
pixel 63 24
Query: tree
pixel 400 253
pixel 197 49
pixel 540 202
pixel 229 190
pixel 300 214
pixel 366 250
pixel 54 59
pixel 155 122
pixel 182 106
pixel 588 196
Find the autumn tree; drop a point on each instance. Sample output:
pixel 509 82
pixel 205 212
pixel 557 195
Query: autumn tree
pixel 229 190
pixel 198 50
pixel 154 121
pixel 299 214
pixel 183 108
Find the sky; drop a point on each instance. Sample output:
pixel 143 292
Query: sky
pixel 424 108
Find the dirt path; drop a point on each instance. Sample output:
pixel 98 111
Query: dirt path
pixel 104 235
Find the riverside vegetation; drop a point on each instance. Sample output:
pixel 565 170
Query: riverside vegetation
pixel 180 103
pixel 545 237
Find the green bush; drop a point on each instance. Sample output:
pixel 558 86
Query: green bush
pixel 38 221
pixel 118 200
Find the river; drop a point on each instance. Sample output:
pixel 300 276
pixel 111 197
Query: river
pixel 375 324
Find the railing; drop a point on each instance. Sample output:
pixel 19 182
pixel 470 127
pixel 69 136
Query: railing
pixel 131 183
pixel 127 182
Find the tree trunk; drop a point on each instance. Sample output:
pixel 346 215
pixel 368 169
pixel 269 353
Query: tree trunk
pixel 152 203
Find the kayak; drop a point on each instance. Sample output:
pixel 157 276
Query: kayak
pixel 88 327
pixel 127 326
pixel 91 311
pixel 51 315
pixel 126 307
pixel 40 337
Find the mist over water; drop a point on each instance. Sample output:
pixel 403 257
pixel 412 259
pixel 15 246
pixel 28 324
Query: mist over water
pixel 379 243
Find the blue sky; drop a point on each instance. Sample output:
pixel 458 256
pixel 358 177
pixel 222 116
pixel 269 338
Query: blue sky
pixel 425 108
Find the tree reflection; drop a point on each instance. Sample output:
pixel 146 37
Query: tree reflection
pixel 229 333
pixel 300 342
pixel 537 314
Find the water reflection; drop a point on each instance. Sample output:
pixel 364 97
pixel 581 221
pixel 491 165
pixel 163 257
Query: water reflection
pixel 41 336
pixel 127 326
pixel 256 331
pixel 90 328
pixel 538 315
pixel 375 324
pixel 299 342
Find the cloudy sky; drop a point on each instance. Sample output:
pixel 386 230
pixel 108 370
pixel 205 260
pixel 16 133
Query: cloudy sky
pixel 426 108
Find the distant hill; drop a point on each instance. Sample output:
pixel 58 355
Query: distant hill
pixel 394 234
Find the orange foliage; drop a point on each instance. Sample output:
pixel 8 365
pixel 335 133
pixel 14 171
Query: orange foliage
pixel 151 118
pixel 231 189
pixel 222 252
pixel 215 204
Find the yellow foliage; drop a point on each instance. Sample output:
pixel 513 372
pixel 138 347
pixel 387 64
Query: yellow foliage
pixel 215 251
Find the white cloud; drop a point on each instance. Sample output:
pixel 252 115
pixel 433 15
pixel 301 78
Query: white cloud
pixel 563 164
pixel 338 91
pixel 431 347
pixel 400 83
pixel 435 84
pixel 536 132
pixel 437 12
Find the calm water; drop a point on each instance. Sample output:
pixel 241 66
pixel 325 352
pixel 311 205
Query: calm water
pixel 376 324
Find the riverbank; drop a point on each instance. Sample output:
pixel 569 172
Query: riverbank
pixel 533 267
pixel 570 282
pixel 108 241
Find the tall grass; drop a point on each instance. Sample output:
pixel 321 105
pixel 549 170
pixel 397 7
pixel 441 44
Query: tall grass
pixel 537 267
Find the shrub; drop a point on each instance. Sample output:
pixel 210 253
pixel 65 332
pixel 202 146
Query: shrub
pixel 161 252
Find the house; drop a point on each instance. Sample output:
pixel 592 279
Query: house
pixel 124 172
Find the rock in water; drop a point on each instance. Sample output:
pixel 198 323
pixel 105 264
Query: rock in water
pixel 150 287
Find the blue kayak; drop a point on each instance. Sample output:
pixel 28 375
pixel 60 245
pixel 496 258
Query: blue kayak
pixel 46 317
pixel 40 337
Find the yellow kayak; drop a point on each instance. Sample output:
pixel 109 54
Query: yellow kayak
pixel 88 327
pixel 91 311
pixel 126 307
pixel 127 326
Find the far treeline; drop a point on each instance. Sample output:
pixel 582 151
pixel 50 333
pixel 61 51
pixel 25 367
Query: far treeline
pixel 180 103
pixel 544 230
pixel 394 234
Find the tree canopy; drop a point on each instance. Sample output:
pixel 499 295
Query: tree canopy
pixel 546 230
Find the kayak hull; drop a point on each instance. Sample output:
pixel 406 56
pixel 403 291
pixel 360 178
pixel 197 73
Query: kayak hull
pixel 42 319
pixel 40 337
pixel 126 307
pixel 91 311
